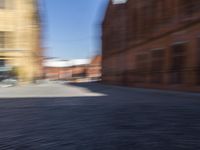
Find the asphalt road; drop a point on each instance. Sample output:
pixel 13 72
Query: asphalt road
pixel 91 116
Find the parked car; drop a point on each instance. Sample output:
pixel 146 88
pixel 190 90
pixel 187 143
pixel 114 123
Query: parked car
pixel 8 82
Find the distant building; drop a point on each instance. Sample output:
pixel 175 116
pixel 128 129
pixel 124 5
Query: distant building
pixel 94 68
pixel 60 69
pixel 20 39
pixel 152 44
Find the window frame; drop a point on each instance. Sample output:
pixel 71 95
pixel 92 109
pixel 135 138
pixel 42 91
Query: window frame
pixel 2 39
pixel 2 4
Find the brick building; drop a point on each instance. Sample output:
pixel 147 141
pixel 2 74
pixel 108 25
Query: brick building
pixel 94 68
pixel 152 44
pixel 60 69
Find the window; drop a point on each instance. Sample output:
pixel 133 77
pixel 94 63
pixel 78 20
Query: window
pixel 157 65
pixel 119 1
pixel 9 43
pixel 2 4
pixel 178 63
pixel 134 27
pixel 190 6
pixel 2 39
pixel 198 61
pixel 6 4
pixel 10 4
pixel 6 39
pixel 159 11
pixel 142 67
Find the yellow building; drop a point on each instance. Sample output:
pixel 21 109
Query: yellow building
pixel 20 39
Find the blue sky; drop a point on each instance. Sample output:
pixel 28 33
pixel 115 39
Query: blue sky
pixel 72 27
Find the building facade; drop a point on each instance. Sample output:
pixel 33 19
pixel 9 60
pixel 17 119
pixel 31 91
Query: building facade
pixel 152 44
pixel 60 69
pixel 94 68
pixel 73 70
pixel 20 39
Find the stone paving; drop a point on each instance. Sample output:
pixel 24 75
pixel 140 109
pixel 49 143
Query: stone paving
pixel 91 116
pixel 45 90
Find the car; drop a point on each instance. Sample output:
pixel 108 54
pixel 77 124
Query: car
pixel 8 82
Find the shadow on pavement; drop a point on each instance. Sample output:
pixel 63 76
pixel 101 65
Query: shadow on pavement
pixel 122 120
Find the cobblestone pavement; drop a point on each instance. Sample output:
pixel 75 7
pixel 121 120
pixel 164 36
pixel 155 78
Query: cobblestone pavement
pixel 98 117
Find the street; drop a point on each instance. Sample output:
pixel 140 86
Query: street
pixel 92 116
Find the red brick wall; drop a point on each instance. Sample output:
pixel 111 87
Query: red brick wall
pixel 54 73
pixel 132 32
pixel 94 68
pixel 66 73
